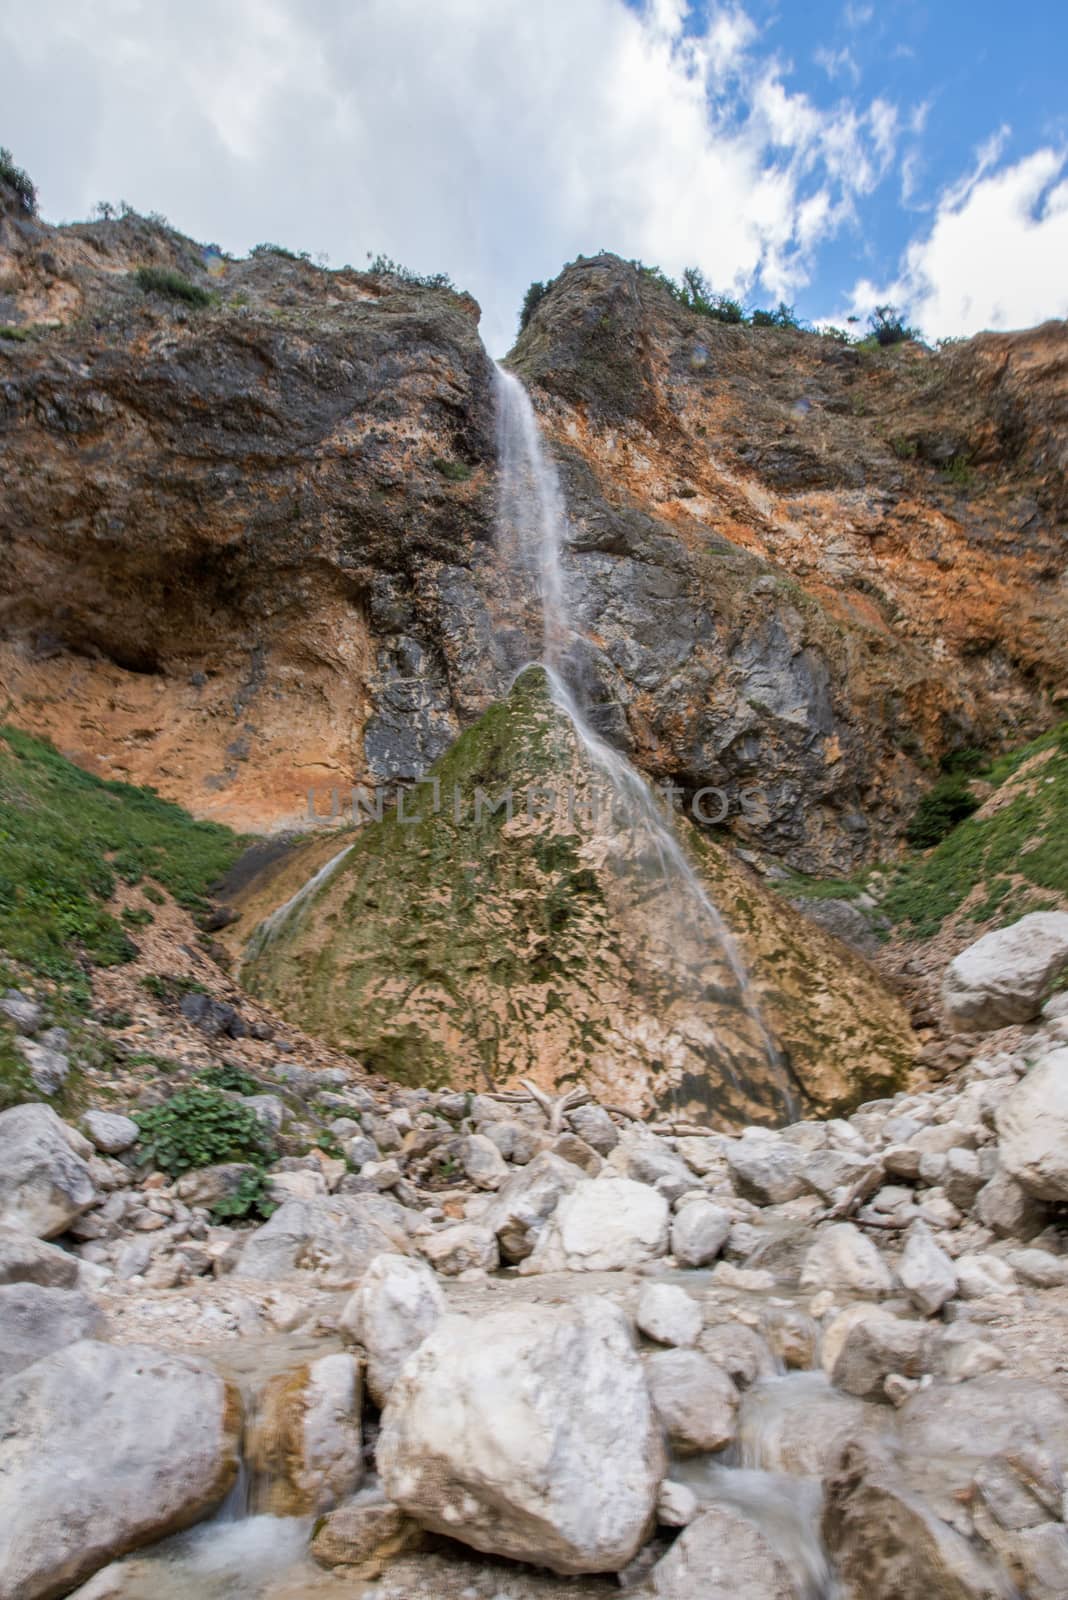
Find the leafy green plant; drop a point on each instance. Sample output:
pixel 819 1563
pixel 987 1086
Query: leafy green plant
pixel 18 335
pixel 136 919
pixel 269 249
pixel 249 1199
pixel 165 281
pixel 150 892
pixel 228 1075
pixel 949 802
pixel 385 267
pixel 698 295
pixel 17 179
pixel 783 316
pixel 455 471
pixel 958 471
pixel 198 1127
pixel 172 987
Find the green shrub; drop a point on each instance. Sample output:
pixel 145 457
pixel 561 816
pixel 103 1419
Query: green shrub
pixel 697 294
pixel 268 249
pixel 385 267
pixel 249 1199
pixel 888 326
pixel 783 317
pixel 949 802
pixel 18 335
pixel 198 1127
pixel 455 471
pixel 18 180
pixel 531 301
pixel 228 1075
pixel 163 280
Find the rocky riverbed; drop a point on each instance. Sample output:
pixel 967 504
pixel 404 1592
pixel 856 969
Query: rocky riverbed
pixel 512 1345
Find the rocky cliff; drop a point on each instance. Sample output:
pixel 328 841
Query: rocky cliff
pixel 248 541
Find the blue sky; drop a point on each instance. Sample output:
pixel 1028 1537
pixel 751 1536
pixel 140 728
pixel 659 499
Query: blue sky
pixel 835 154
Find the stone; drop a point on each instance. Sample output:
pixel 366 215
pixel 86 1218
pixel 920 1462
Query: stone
pixel 466 1247
pixel 1037 1267
pixel 754 1280
pixel 35 1321
pixel 1004 977
pixel 48 1069
pixel 698 1233
pixel 569 1147
pixel 526 1200
pixel 206 1186
pixel 644 1158
pixel 214 1017
pixel 766 1168
pixel 984 1274
pixel 799 1427
pixel 110 1132
pixel 1007 1209
pixel 722 1554
pixel 668 1314
pixel 927 1274
pixel 676 1504
pixel 694 1399
pixel 1032 1124
pixel 44 1182
pixel 268 1109
pixel 26 1014
pixel 396 1305
pixel 704 1154
pixel 528 1433
pixel 104 1449
pixel 595 1126
pixel 26 1259
pixel 962 1178
pixel 843 1259
pixel 364 1535
pixel 482 1162
pixel 305 1445
pixel 959 1356
pixel 742 1353
pixel 835 1174
pixel 603 1225
pixel 886 1540
pixel 337 1238
pixel 876 1346
pixel 515 1140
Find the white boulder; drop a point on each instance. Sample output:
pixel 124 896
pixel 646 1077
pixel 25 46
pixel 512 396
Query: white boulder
pixel 694 1399
pixel 722 1553
pixel 698 1233
pixel 668 1314
pixel 338 1237
pixel 528 1433
pixel 1003 977
pixel 44 1180
pixel 390 1314
pixel 844 1259
pixel 927 1274
pixel 603 1225
pixel 1032 1123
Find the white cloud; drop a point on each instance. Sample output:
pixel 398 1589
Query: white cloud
pixel 492 139
pixel 995 254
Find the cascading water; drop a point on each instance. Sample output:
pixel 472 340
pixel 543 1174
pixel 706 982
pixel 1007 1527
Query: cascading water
pixel 532 535
pixel 271 925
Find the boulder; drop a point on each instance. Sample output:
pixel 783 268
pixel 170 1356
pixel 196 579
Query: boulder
pixel 110 1132
pixel 103 1449
pixel 366 1535
pixel 668 1314
pixel 44 1182
pixel 525 1201
pixel 528 1433
pixel 35 1321
pixel 1037 1267
pixel 1008 1209
pixel 698 1233
pixel 25 1013
pixel 26 1259
pixel 467 1247
pixel 603 1225
pixel 595 1126
pixel 886 1540
pixel 337 1237
pixel 49 1069
pixel 305 1445
pixel 643 1157
pixel 569 1147
pixel 676 1504
pixel 206 1186
pixel 390 1314
pixel 876 1346
pixel 766 1167
pixel 723 1555
pixel 694 1399
pixel 482 1162
pixel 844 1259
pixel 740 1351
pixel 927 1274
pixel 1032 1124
pixel 834 1174
pixel 980 1275
pixel 1003 977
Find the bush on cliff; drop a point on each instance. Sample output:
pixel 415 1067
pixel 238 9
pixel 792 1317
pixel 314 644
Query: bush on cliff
pixel 18 180
pixel 162 280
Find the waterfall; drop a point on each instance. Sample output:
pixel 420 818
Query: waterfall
pixel 532 523
pixel 271 924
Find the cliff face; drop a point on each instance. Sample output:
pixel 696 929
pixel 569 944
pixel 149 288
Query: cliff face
pixel 248 544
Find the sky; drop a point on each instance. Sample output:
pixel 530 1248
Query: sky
pixel 835 154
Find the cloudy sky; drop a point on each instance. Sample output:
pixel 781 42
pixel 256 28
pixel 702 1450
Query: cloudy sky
pixel 832 153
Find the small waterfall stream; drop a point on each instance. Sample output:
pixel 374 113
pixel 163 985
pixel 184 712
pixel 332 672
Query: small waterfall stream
pixel 532 534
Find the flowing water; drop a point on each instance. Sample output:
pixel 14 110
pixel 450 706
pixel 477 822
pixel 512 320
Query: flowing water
pixel 532 536
pixel 271 926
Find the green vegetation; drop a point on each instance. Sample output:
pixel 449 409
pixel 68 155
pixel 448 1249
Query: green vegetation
pixel 18 335
pixel 783 316
pixel 888 326
pixel 165 281
pixel 68 838
pixel 228 1075
pixel 198 1127
pixel 249 1199
pixel 532 300
pixel 268 249
pixel 940 810
pixel 17 179
pixel 385 267
pixel 455 471
pixel 1018 855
